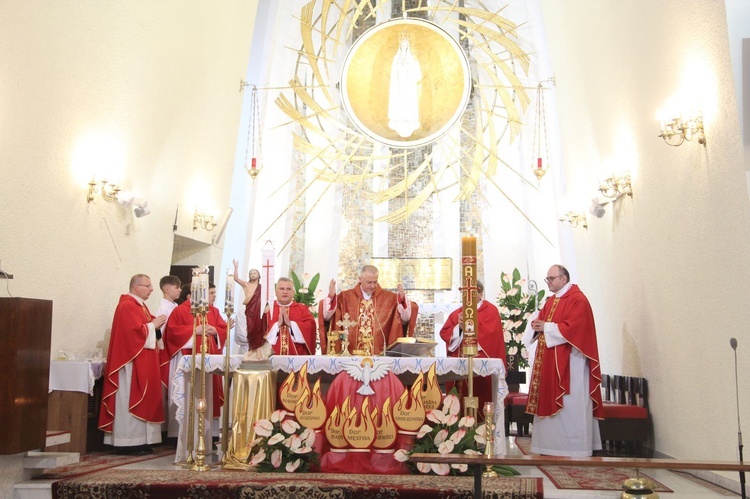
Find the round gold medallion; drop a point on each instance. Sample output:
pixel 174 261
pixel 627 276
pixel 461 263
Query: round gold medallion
pixel 405 82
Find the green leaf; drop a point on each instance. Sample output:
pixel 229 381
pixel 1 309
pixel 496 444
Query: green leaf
pixel 516 275
pixel 295 280
pixel 505 470
pixel 314 284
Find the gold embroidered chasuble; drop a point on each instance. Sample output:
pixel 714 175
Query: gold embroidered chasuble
pixel 378 317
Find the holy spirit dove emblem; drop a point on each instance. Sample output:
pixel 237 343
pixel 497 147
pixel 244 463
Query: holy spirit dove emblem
pixel 366 371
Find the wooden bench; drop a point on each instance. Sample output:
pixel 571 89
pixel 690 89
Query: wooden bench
pixel 627 423
pixel 478 462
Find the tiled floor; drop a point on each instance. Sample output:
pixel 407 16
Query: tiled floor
pixel 685 486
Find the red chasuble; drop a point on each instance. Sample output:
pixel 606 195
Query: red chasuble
pixel 492 342
pixel 300 314
pixel 550 379
pixel 386 322
pixel 179 331
pixel 489 333
pixel 126 341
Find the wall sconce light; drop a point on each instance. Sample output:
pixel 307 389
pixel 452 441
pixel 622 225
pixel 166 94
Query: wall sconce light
pixel 106 189
pixel 139 205
pixel 677 130
pixel 203 220
pixel 614 187
pixel 574 219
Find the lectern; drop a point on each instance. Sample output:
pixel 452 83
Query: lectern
pixel 25 326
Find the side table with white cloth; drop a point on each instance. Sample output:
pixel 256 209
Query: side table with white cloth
pixel 73 401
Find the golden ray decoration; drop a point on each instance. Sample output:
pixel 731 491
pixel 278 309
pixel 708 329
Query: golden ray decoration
pixel 338 153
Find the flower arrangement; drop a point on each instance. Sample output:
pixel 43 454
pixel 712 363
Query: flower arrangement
pixel 448 435
pixel 515 307
pixel 283 445
pixel 305 294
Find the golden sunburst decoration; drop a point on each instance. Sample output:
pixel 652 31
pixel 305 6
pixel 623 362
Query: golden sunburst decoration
pixel 343 124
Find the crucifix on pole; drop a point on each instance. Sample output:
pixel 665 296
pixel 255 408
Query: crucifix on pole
pixel 345 324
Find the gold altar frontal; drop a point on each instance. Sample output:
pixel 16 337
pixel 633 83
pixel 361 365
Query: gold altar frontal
pixel 254 398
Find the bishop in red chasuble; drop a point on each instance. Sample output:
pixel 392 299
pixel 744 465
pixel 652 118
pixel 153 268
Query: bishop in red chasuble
pixel 377 314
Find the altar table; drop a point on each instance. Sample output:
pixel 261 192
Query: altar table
pixel 405 367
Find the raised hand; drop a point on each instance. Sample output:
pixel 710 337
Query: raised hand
pixel 332 288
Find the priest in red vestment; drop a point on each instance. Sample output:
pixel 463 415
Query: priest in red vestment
pixel 290 327
pixel 178 341
pixel 376 313
pixel 132 410
pixel 564 394
pixel 490 340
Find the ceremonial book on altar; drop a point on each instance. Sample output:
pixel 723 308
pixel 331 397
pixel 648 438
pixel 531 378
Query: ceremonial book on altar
pixel 411 347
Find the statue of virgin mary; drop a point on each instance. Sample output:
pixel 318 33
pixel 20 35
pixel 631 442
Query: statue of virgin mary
pixel 403 97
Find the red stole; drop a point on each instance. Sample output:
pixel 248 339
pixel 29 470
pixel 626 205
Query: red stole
pixel 550 379
pixel 126 344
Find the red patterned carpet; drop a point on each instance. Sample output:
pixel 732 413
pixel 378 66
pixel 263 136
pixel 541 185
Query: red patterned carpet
pixel 95 477
pixel 168 484
pixel 98 461
pixel 581 478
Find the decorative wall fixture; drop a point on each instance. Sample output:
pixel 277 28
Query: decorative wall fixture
pixel 574 219
pixel 339 148
pixel 539 165
pixel 252 148
pixel 108 190
pixel 676 130
pixel 203 220
pixel 615 186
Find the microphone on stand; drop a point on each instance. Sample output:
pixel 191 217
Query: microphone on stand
pixel 733 344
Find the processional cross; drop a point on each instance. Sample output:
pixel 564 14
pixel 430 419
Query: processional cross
pixel 345 324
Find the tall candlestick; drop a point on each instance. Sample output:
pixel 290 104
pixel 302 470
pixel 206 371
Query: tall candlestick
pixel 194 288
pixel 203 288
pixel 228 298
pixel 469 295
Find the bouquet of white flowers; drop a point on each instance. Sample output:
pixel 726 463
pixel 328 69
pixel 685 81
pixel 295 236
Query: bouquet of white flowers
pixel 448 435
pixel 515 307
pixel 283 445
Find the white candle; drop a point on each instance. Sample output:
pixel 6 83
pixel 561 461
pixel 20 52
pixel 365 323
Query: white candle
pixel 230 287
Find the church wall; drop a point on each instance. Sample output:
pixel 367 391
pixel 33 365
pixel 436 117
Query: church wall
pixel 665 270
pixel 147 90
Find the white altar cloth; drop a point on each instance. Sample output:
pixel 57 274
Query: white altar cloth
pixel 333 365
pixel 75 376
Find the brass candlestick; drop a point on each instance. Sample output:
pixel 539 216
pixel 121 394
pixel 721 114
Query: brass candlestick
pixel 225 429
pixel 489 447
pixel 200 452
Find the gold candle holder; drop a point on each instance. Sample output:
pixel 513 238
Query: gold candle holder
pixel 489 447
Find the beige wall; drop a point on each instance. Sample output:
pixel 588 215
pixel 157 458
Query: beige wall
pixel 157 82
pixel 149 88
pixel 666 271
